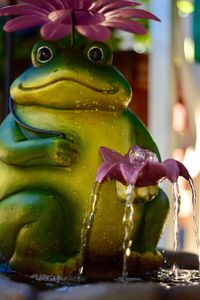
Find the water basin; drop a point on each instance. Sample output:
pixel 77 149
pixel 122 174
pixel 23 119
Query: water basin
pixel 150 286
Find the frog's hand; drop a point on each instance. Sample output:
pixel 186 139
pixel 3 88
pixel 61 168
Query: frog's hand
pixel 15 149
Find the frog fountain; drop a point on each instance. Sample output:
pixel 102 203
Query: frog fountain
pixel 63 110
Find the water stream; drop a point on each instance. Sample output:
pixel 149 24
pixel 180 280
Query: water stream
pixel 87 224
pixel 195 220
pixel 177 202
pixel 128 228
pixel 166 277
pixel 177 274
pixel 127 221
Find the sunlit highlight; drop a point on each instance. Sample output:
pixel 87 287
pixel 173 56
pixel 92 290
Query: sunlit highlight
pixel 189 50
pixel 185 7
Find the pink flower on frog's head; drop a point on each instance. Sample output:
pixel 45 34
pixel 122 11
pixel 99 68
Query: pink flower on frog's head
pixel 138 167
pixel 93 19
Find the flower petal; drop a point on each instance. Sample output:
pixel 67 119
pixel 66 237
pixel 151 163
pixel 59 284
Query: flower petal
pixel 23 22
pixel 143 174
pixel 151 174
pixel 130 26
pixel 174 169
pixel 50 4
pixel 94 32
pixel 129 174
pixel 85 18
pixel 55 31
pixel 108 171
pixel 110 155
pixel 115 5
pixel 84 4
pixel 59 4
pixel 131 13
pixel 73 4
pixel 23 9
pixel 60 16
pixel 92 18
pixel 138 171
pixel 96 6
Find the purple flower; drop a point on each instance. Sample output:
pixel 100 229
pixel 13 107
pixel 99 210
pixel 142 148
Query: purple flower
pixel 138 168
pixel 91 19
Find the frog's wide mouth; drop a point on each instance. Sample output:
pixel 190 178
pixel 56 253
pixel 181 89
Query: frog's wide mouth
pixel 112 90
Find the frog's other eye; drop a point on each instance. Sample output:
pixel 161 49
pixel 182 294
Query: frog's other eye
pixel 95 54
pixel 99 53
pixel 44 54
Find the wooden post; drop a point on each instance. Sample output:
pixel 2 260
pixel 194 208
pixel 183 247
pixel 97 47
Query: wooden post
pixel 8 63
pixel 161 89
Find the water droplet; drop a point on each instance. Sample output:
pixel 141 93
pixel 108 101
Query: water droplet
pixel 128 252
pixel 142 154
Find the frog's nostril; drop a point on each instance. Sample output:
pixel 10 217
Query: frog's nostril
pixel 56 70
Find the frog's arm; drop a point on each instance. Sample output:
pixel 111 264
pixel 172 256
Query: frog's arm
pixel 140 134
pixel 15 149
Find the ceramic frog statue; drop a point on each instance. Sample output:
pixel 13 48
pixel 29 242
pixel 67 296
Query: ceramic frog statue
pixel 46 178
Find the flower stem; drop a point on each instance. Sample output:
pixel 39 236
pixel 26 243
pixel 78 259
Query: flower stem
pixel 73 29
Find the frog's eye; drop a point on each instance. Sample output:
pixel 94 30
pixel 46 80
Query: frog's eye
pixel 99 53
pixel 95 54
pixel 44 54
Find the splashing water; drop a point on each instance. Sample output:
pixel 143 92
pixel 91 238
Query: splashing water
pixel 196 228
pixel 87 224
pixel 177 202
pixel 128 224
pixel 115 166
pixel 127 221
pixel 185 277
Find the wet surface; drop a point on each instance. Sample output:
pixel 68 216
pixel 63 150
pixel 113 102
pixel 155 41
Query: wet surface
pixel 165 277
pixel 161 284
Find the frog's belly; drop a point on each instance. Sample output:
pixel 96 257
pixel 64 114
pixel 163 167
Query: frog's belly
pixel 94 129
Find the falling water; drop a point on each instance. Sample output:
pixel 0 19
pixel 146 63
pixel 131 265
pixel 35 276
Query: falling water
pixel 128 224
pixel 177 201
pixel 196 228
pixel 87 224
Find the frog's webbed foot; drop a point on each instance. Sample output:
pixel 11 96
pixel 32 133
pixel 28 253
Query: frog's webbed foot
pixel 144 262
pixel 144 194
pixel 29 239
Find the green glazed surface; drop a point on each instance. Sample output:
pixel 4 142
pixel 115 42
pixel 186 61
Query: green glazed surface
pixel 46 180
